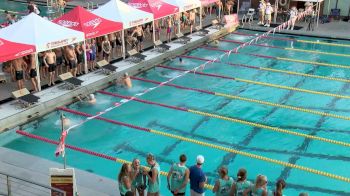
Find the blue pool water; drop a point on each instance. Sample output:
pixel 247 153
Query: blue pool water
pixel 127 143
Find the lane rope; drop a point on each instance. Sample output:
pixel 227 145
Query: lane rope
pixel 275 85
pixel 89 152
pixel 300 109
pixel 235 120
pixel 231 150
pixel 283 59
pixel 297 40
pixel 287 48
pixel 269 69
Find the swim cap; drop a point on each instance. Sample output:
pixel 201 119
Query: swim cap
pixel 92 96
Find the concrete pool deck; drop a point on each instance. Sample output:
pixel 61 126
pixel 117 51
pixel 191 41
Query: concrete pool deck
pixel 36 169
pixel 12 115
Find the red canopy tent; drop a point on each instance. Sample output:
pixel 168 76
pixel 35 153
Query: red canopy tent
pixel 12 50
pixel 90 24
pixel 158 8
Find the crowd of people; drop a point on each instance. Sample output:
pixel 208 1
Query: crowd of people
pixel 134 179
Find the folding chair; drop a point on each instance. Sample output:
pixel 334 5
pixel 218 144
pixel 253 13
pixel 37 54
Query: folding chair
pixel 182 39
pixel 249 16
pixel 106 67
pixel 69 81
pixel 160 47
pixel 201 32
pixel 25 98
pixel 135 56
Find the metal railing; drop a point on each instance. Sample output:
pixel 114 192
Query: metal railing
pixel 15 186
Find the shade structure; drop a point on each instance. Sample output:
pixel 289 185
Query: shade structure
pixel 118 11
pixel 12 50
pixel 158 8
pixel 90 24
pixel 41 33
pixel 185 5
pixel 207 2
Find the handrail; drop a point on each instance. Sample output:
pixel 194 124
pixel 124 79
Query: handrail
pixel 63 193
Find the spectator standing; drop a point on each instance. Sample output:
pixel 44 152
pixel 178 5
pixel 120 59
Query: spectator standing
pixel 262 7
pixel 178 177
pixel 241 184
pixel 223 185
pixel 259 189
pixel 280 185
pixel 124 179
pixel 153 175
pixel 197 177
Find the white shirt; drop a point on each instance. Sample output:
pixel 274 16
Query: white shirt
pixel 268 10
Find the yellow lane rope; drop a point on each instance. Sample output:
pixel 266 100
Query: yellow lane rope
pixel 163 173
pixel 304 74
pixel 283 106
pixel 318 52
pixel 254 156
pixel 323 43
pixel 292 88
pixel 276 129
pixel 314 62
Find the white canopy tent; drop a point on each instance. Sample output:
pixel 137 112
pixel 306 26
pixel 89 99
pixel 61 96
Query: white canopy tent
pixel 42 34
pixel 185 5
pixel 118 11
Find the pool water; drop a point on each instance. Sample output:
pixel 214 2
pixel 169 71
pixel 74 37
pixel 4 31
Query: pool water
pixel 127 143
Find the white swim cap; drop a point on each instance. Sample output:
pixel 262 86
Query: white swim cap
pixel 92 96
pixel 200 159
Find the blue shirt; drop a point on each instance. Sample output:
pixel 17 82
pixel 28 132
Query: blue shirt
pixel 196 176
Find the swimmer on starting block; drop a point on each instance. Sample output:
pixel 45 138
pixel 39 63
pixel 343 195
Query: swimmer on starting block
pixel 89 99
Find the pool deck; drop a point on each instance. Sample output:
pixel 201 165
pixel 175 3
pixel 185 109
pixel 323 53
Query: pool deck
pixel 36 169
pixel 12 115
pixel 324 30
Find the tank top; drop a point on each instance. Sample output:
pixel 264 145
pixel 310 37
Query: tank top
pixel 138 179
pixel 154 187
pixel 241 186
pixel 178 177
pixel 257 191
pixel 122 187
pixel 225 187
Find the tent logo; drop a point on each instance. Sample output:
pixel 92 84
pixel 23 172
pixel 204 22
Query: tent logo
pixel 24 52
pixel 67 23
pixel 1 43
pixel 158 5
pixel 94 23
pixel 138 5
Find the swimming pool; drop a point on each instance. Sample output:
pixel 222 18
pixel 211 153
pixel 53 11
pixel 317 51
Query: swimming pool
pixel 127 143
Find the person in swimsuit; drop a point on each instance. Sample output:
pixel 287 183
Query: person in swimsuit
pixel 72 59
pixel 93 53
pixel 176 22
pixel 80 56
pixel 118 43
pixel 280 185
pixel 242 183
pixel 59 61
pixel 126 80
pixel 32 72
pixel 260 187
pixel 106 48
pixel 138 179
pixel 192 20
pixel 218 10
pixel 169 23
pixel 43 68
pixel 157 29
pixel 17 67
pixel 112 38
pixel 124 179
pixel 90 99
pixel 139 35
pixel 178 177
pixel 153 175
pixel 50 63
pixel 87 53
pixel 223 185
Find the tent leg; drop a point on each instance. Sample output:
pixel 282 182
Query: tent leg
pixel 200 16
pixel 85 59
pixel 153 34
pixel 123 43
pixel 318 13
pixel 238 9
pixel 38 71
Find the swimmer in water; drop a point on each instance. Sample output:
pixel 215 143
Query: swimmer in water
pixel 65 121
pixel 126 80
pixel 180 59
pixel 89 99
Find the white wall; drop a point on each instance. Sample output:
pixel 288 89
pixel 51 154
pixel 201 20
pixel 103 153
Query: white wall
pixel 343 5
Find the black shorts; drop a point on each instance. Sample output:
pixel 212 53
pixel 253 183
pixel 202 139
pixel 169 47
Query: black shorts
pixel 99 48
pixel 112 44
pixel 32 73
pixel 179 194
pixel 59 60
pixel 105 54
pixel 118 42
pixel 80 58
pixel 52 68
pixel 72 64
pixel 140 39
pixel 19 75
